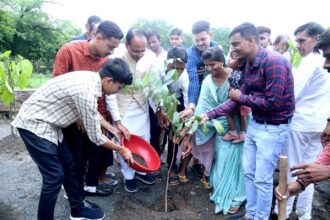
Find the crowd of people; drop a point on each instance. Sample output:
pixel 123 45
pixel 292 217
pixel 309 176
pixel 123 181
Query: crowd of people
pixel 73 125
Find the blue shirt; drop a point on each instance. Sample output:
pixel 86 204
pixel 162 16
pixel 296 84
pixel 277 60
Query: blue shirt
pixel 193 64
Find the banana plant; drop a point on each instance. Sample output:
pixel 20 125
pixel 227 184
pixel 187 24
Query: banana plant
pixel 14 73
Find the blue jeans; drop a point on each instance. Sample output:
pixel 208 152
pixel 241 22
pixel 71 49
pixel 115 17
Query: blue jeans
pixel 262 148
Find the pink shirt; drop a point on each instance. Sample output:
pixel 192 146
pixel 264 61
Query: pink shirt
pixel 324 157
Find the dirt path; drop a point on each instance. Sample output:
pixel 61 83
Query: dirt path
pixel 20 187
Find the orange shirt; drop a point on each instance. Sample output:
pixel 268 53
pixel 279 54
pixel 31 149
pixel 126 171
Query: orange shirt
pixel 75 56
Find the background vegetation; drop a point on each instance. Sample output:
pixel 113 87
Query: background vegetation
pixel 28 31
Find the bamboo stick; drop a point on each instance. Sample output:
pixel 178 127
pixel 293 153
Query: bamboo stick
pixel 283 181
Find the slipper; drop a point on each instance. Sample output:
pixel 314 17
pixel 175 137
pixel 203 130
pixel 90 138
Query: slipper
pixel 206 184
pixel 173 180
pixel 157 177
pixel 233 210
pixel 183 178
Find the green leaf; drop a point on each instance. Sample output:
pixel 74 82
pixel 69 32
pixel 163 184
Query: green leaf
pixel 137 84
pixel 2 73
pixel 176 75
pixel 164 91
pixel 176 118
pixel 6 54
pixel 188 123
pixel 9 88
pixel 146 79
pixel 125 89
pixel 205 129
pixel 180 126
pixel 295 57
pixel 169 75
pixel 198 118
pixel 194 126
pixel 218 126
pixel 25 68
pixel 7 95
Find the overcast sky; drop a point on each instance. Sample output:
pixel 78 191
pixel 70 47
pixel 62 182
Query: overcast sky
pixel 282 16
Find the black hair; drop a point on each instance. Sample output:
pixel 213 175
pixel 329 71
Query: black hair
pixel 176 31
pixel 153 33
pixel 312 29
pixel 109 29
pixel 246 30
pixel 264 29
pixel 323 42
pixel 213 54
pixel 178 53
pixel 93 20
pixel 281 37
pixel 118 70
pixel 201 26
pixel 132 32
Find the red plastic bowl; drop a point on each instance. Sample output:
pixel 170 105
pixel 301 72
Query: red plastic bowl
pixel 143 149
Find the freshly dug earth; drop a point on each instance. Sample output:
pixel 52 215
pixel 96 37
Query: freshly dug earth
pixel 21 182
pixel 140 160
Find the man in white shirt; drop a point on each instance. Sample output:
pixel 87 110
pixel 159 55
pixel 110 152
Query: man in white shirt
pixel 56 105
pixel 132 108
pixel 312 89
pixel 154 45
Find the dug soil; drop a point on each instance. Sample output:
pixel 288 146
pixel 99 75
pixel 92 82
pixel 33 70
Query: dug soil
pixel 21 182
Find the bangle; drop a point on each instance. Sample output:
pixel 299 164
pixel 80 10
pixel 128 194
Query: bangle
pixel 122 150
pixel 301 183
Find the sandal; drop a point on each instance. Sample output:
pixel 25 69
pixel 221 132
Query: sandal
pixel 206 184
pixel 173 180
pixel 157 177
pixel 233 210
pixel 183 178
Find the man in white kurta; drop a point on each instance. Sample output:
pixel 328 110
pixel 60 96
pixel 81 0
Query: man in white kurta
pixel 312 89
pixel 132 107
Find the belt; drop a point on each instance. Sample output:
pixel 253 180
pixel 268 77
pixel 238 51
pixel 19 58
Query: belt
pixel 273 122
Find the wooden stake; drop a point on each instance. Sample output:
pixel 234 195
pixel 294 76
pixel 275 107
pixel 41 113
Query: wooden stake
pixel 283 182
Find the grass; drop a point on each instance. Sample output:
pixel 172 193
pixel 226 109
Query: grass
pixel 38 79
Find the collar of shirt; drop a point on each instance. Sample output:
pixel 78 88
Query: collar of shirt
pixel 87 51
pixel 261 52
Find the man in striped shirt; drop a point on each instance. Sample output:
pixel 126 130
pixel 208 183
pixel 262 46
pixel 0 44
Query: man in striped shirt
pixel 55 106
pixel 267 88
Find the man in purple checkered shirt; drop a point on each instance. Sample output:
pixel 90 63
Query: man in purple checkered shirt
pixel 267 88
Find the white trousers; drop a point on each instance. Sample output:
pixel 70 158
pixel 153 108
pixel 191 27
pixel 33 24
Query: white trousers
pixel 137 121
pixel 302 147
pixel 126 170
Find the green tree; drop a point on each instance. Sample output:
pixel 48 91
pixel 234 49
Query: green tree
pixel 221 36
pixel 28 31
pixel 163 28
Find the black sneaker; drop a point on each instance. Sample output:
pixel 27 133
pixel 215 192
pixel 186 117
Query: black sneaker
pixel 86 213
pixel 91 205
pixel 146 179
pixel 131 186
pixel 99 192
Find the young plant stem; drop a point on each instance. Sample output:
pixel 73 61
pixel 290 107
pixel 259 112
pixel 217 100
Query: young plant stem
pixel 168 175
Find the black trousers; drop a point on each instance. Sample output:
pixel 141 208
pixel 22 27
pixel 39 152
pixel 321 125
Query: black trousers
pixel 89 157
pixel 155 132
pixel 57 167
